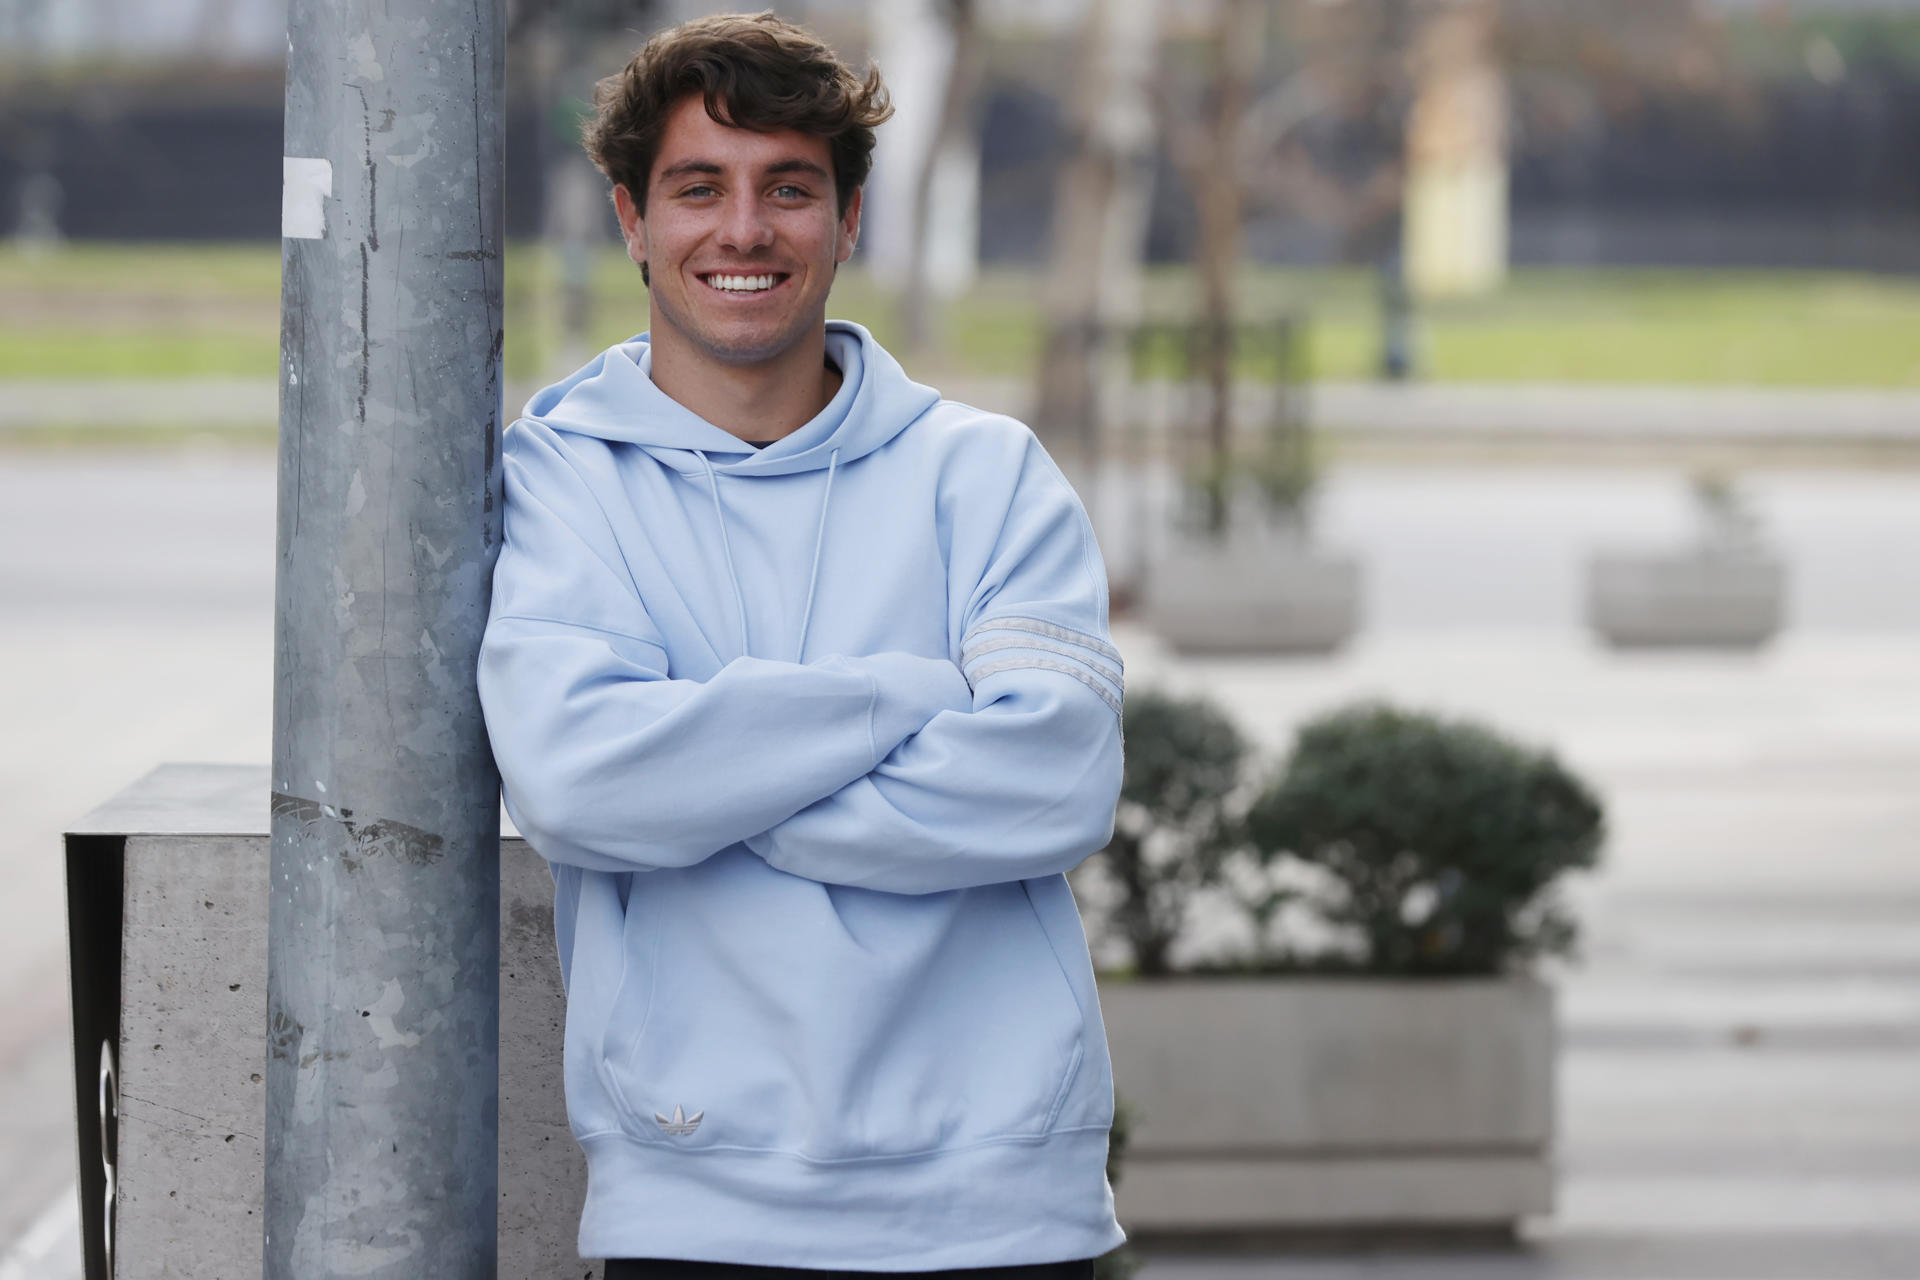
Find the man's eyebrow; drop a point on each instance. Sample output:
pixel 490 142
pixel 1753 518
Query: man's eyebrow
pixel 708 167
pixel 690 166
pixel 807 167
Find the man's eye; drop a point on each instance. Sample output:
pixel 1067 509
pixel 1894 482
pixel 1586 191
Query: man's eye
pixel 698 190
pixel 787 191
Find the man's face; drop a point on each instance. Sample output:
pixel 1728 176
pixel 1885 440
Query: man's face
pixel 740 234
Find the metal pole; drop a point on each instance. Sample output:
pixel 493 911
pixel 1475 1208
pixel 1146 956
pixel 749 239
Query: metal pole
pixel 382 1077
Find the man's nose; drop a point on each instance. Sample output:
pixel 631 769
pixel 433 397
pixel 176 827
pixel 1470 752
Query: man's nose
pixel 745 226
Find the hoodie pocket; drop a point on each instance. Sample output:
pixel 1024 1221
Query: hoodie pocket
pixel 831 1023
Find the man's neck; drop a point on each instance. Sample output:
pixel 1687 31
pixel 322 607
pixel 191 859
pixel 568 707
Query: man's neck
pixel 759 402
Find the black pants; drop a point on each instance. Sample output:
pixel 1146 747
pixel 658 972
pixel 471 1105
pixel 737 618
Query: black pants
pixel 666 1269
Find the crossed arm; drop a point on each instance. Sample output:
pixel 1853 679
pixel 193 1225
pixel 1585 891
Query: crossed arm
pixel 887 771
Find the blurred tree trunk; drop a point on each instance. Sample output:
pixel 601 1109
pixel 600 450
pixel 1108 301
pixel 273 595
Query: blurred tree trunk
pixel 1398 360
pixel 1213 170
pixel 956 110
pixel 561 48
pixel 212 21
pixel 1099 226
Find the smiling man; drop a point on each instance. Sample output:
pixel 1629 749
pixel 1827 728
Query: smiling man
pixel 799 677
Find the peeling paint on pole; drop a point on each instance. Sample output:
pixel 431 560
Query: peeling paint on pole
pixel 383 1004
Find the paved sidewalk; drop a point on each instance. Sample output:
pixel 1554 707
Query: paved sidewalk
pixel 49 1249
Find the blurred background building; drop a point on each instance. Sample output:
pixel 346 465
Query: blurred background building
pixel 1765 133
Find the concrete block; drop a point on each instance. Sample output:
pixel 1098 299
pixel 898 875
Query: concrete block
pixel 1388 1193
pixel 543 1175
pixel 1689 600
pixel 1303 1102
pixel 193 1016
pixel 167 888
pixel 1252 596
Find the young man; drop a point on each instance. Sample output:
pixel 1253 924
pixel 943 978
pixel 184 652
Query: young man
pixel 799 677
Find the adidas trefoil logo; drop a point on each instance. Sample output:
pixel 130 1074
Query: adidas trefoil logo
pixel 681 1123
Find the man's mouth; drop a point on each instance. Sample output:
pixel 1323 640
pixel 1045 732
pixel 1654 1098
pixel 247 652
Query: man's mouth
pixel 728 282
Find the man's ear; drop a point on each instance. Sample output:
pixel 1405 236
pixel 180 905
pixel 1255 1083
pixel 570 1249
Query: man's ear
pixel 633 228
pixel 849 228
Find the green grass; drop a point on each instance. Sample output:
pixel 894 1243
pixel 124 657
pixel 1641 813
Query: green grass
pixel 1779 328
pixel 1756 328
pixel 244 271
pixel 71 352
pixel 191 311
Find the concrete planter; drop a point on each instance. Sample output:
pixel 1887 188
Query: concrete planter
pixel 1701 599
pixel 1252 595
pixel 1333 1104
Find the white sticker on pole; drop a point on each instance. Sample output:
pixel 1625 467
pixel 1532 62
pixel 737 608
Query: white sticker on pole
pixel 305 184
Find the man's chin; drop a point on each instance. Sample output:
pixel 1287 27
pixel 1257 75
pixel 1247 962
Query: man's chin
pixel 746 350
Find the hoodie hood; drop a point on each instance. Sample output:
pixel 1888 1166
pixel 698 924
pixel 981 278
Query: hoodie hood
pixel 613 398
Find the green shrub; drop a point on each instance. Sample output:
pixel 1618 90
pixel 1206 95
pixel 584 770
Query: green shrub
pixel 1174 826
pixel 1441 838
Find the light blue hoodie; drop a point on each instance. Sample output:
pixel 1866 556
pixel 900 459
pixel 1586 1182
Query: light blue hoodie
pixel 810 736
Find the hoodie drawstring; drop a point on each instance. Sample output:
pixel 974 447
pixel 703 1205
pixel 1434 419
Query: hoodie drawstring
pixel 819 540
pixel 726 547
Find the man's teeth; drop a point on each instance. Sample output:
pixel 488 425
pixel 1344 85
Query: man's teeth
pixel 741 284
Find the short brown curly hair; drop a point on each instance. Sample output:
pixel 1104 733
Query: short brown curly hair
pixel 755 71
